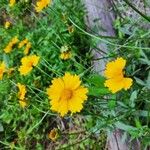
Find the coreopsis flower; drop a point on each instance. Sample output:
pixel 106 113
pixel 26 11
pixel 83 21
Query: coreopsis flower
pixel 21 95
pixel 65 55
pixel 53 135
pixel 41 4
pixel 27 48
pixel 22 91
pixel 115 76
pixel 12 3
pixel 65 52
pixel 28 62
pixel 10 45
pixel 22 43
pixel 15 40
pixel 8 48
pixel 66 94
pixel 7 24
pixel 23 103
pixel 2 70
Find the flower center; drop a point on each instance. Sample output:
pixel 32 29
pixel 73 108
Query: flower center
pixel 1 71
pixel 30 64
pixel 53 134
pixel 66 94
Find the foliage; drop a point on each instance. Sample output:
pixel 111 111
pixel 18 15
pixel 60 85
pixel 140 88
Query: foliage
pixel 59 28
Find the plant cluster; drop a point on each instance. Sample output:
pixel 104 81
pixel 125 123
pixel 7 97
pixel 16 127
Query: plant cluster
pixel 47 78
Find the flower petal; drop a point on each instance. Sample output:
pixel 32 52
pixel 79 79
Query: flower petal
pixel 79 96
pixel 114 85
pixel 71 81
pixel 127 83
pixel 24 70
pixel 114 68
pixel 63 108
pixel 55 90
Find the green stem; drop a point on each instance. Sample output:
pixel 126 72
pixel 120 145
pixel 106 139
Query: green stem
pixel 36 125
pixel 43 71
pixel 103 40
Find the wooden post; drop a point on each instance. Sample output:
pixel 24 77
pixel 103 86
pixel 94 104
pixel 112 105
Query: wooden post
pixel 100 10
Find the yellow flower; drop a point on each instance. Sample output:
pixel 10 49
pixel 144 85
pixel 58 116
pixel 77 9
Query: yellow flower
pixel 12 3
pixel 27 64
pixel 23 103
pixel 22 43
pixel 41 4
pixel 53 135
pixel 71 29
pixel 2 70
pixel 22 91
pixel 65 52
pixel 10 45
pixel 115 76
pixel 7 24
pixel 28 46
pixel 8 48
pixel 65 55
pixel 66 94
pixel 14 40
pixel 21 95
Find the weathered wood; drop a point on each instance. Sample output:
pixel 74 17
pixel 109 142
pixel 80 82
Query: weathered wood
pixel 101 10
pixel 115 142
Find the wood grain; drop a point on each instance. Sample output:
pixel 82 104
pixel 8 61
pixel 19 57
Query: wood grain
pixel 99 18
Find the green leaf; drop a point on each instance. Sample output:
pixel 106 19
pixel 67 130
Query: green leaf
pixel 1 128
pixel 145 61
pixel 111 104
pixel 97 80
pixel 6 59
pixel 4 86
pixel 143 54
pixel 95 91
pixel 148 81
pixel 133 97
pixel 139 81
pixel 147 141
pixel 143 113
pixel 6 117
pixel 138 124
pixel 124 127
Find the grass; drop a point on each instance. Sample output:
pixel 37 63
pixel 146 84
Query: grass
pixel 61 25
